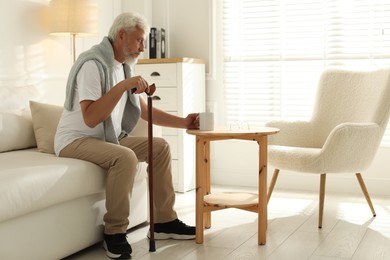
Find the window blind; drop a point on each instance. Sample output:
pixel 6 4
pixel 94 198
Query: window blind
pixel 275 50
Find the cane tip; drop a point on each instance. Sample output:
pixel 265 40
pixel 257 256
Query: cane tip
pixel 152 246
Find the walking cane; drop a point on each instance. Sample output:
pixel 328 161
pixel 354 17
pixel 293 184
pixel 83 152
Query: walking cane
pixel 152 244
pixel 152 89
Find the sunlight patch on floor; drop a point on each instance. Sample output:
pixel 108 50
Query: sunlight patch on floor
pixel 282 207
pixel 354 212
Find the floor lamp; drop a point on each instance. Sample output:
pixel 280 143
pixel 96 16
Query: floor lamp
pixel 74 18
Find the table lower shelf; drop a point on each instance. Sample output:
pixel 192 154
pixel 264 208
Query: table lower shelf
pixel 241 200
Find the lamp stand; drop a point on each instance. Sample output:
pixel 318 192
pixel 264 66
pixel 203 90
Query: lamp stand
pixel 73 46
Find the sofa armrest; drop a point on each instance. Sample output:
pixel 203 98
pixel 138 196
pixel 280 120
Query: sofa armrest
pixel 141 129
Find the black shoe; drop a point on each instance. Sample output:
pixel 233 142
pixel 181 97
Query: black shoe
pixel 117 247
pixel 175 229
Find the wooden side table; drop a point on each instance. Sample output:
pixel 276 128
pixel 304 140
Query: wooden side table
pixel 207 202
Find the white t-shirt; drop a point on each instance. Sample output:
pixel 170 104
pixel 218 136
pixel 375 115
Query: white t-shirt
pixel 88 87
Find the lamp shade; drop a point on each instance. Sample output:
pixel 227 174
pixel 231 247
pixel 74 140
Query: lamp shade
pixel 75 17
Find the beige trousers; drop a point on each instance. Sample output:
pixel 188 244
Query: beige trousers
pixel 120 161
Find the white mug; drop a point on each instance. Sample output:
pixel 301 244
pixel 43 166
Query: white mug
pixel 206 121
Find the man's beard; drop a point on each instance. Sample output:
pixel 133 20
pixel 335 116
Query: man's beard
pixel 129 59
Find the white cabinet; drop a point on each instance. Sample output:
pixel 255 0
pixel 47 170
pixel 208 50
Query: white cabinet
pixel 181 90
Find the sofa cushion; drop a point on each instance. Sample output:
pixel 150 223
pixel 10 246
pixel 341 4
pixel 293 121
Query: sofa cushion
pixel 45 118
pixel 30 180
pixel 16 132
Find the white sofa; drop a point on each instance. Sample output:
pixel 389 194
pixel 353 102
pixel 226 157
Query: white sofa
pixel 52 207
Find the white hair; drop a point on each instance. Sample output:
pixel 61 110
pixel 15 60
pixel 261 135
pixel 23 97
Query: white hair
pixel 128 21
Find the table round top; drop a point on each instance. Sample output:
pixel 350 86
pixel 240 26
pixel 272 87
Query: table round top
pixel 258 131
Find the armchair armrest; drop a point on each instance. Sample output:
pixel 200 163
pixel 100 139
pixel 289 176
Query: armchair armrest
pixel 356 143
pixel 292 133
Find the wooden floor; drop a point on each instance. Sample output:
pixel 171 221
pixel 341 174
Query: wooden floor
pixel 349 231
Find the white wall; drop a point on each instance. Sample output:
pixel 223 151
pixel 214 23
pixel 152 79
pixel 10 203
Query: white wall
pixel 30 56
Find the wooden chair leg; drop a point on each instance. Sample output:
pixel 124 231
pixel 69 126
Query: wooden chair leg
pixel 272 184
pixel 365 192
pixel 322 199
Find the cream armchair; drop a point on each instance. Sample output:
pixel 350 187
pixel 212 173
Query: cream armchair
pixel 348 122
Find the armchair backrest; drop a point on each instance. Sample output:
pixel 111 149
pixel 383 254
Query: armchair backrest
pixel 350 96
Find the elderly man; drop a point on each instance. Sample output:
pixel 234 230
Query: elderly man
pixel 102 106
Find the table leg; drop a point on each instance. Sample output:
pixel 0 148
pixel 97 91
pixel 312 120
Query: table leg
pixel 199 226
pixel 262 200
pixel 207 185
